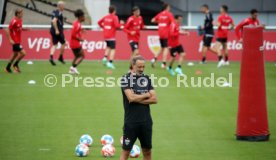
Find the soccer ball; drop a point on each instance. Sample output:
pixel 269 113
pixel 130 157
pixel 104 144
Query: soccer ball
pixel 82 150
pixel 135 152
pixel 108 150
pixel 86 139
pixel 107 139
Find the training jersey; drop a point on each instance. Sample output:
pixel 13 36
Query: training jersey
pixel 134 24
pixel 109 24
pixel 245 22
pixel 58 15
pixel 15 28
pixel 75 35
pixel 225 21
pixel 136 112
pixel 208 25
pixel 164 19
pixel 174 35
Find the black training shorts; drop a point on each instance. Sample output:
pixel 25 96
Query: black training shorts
pixel 142 131
pixel 178 49
pixel 17 47
pixel 207 40
pixel 111 44
pixel 58 38
pixel 134 45
pixel 222 40
pixel 77 51
pixel 164 43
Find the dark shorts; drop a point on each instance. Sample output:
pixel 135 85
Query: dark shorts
pixel 142 131
pixel 111 44
pixel 77 51
pixel 58 38
pixel 178 49
pixel 17 48
pixel 222 40
pixel 134 45
pixel 207 41
pixel 164 43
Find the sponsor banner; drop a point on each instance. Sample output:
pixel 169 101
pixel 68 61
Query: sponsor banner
pixel 37 44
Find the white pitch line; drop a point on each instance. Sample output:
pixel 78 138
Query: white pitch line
pixel 44 149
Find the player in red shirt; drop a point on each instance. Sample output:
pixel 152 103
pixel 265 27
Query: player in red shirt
pixel 75 42
pixel 253 20
pixel 164 20
pixel 109 24
pixel 132 27
pixel 175 46
pixel 14 36
pixel 224 23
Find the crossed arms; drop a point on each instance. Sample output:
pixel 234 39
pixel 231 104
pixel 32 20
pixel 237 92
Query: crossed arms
pixel 146 98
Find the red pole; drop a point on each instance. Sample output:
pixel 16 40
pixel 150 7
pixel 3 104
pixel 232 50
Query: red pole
pixel 252 122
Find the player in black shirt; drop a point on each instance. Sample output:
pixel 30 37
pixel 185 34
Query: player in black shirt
pixel 57 33
pixel 208 32
pixel 138 94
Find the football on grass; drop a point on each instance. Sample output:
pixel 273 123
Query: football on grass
pixel 82 150
pixel 108 150
pixel 86 139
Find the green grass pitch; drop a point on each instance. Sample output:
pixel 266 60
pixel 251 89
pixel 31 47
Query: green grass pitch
pixel 41 123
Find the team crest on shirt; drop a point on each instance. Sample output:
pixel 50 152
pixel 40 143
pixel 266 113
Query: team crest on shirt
pixel 144 83
pixel 127 141
pixel 154 44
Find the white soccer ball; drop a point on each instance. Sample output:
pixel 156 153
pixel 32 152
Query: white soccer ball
pixel 135 151
pixel 107 139
pixel 82 150
pixel 108 150
pixel 86 139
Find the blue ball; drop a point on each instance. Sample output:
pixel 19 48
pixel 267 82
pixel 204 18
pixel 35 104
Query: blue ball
pixel 82 150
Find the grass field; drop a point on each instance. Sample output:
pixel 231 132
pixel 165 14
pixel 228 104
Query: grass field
pixel 42 123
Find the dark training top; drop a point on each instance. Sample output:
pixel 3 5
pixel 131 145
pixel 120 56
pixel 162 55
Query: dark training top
pixel 57 14
pixel 208 24
pixel 136 112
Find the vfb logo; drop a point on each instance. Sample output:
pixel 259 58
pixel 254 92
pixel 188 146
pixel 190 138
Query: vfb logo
pixel 154 44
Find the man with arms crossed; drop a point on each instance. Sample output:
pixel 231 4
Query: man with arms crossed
pixel 138 94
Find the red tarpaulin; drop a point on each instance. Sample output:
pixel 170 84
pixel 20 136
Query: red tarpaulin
pixel 37 44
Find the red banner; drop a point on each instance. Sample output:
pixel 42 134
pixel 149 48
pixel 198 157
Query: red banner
pixel 37 44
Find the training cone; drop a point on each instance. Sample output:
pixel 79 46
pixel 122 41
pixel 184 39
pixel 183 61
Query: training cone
pixel 252 122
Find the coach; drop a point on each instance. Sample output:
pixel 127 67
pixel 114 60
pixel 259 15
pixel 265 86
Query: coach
pixel 138 94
